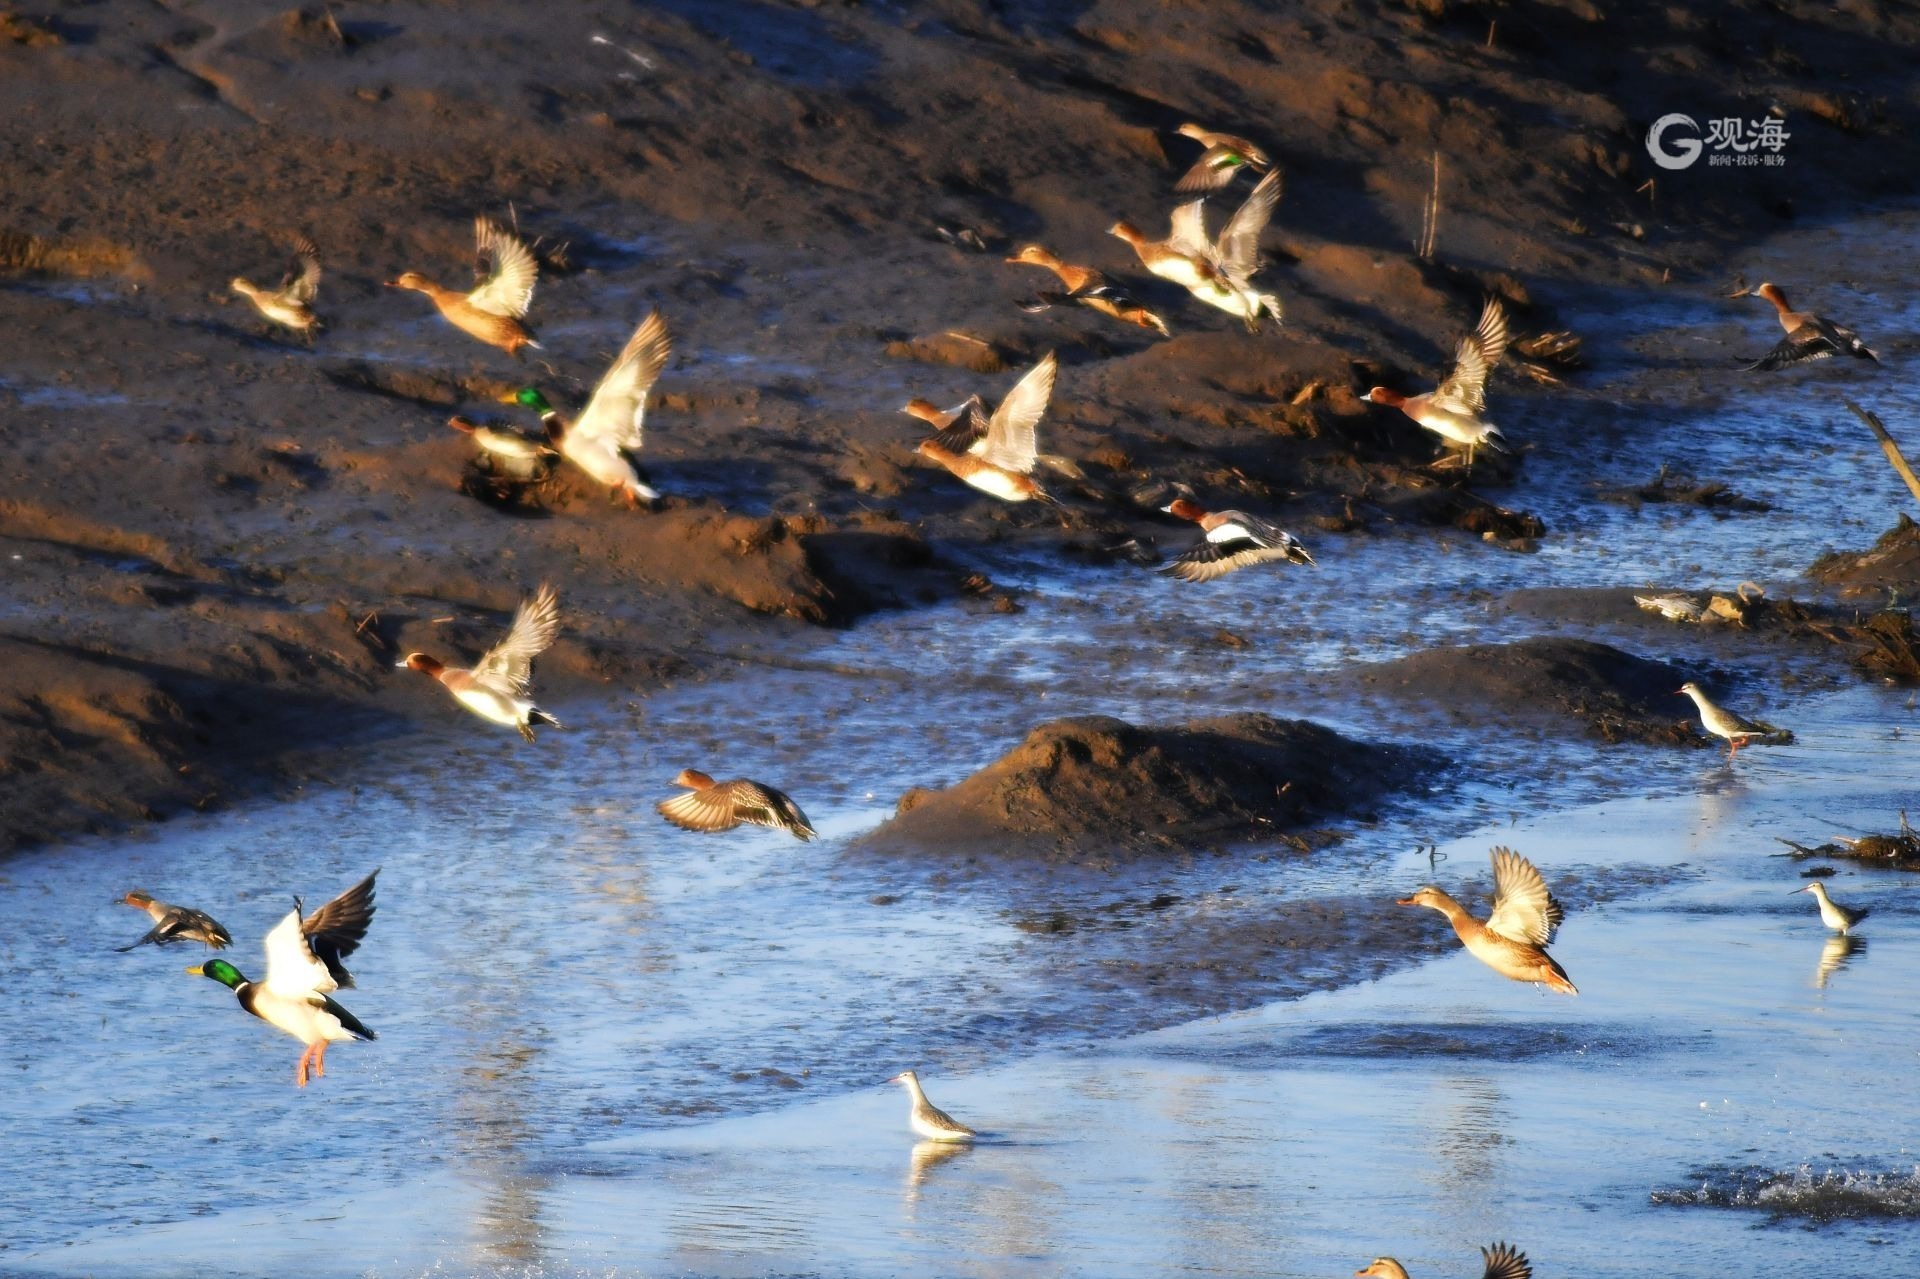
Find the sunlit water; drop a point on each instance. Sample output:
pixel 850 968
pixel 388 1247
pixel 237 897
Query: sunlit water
pixel 611 1047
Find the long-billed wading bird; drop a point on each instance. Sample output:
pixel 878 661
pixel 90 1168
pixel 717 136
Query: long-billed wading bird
pixel 175 923
pixel 1008 447
pixel 1809 337
pixel 1513 940
pixel 1503 1261
pixel 304 965
pixel 290 305
pixel 1455 410
pixel 493 311
pixel 499 687
pixel 715 806
pixel 926 1118
pixel 1721 722
pixel 1219 271
pixel 1840 919
pixel 610 430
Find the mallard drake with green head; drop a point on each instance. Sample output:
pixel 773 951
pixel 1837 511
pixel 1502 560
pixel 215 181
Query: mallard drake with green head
pixel 609 429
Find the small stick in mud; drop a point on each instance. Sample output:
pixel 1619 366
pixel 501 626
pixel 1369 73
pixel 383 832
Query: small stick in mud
pixel 1887 446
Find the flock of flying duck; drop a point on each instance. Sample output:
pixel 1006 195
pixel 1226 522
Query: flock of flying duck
pixel 996 453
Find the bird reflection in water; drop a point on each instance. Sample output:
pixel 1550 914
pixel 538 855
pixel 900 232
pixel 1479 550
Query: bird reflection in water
pixel 1836 954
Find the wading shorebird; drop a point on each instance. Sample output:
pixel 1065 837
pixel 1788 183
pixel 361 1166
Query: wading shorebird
pixel 1721 722
pixel 304 964
pixel 926 1118
pixel 504 276
pixel 1226 156
pixel 1218 272
pixel 1513 940
pixel 291 304
pixel 499 687
pixel 1087 287
pixel 1840 919
pixel 1001 460
pixel 602 440
pixel 1809 336
pixel 1231 540
pixel 714 806
pixel 175 923
pixel 1454 409
pixel 1504 1261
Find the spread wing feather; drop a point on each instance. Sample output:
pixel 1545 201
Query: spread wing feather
pixel 1465 390
pixel 1523 909
pixel 508 271
pixel 1011 441
pixel 618 408
pixel 1238 254
pixel 535 625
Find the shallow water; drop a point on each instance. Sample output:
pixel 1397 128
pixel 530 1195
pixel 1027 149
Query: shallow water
pixel 611 1047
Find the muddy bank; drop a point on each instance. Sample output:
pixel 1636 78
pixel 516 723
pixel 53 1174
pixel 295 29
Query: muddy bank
pixel 774 179
pixel 1547 682
pixel 1891 566
pixel 1094 786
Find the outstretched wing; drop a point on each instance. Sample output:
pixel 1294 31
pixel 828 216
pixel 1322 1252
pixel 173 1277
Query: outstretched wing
pixel 1238 253
pixel 1212 171
pixel 1011 441
pixel 1504 1261
pixel 965 428
pixel 619 404
pixel 1523 909
pixel 705 810
pixel 507 269
pixel 304 958
pixel 1206 560
pixel 535 625
pixel 1188 231
pixel 1798 347
pixel 1465 390
pixel 765 806
pixel 302 281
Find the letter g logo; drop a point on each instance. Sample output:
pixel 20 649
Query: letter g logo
pixel 1679 152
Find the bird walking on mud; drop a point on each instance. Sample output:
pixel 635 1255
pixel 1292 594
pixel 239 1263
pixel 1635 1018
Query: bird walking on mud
pixel 1218 271
pixel 715 806
pixel 1513 939
pixel 610 430
pixel 926 1118
pixel 1225 158
pixel 492 311
pixel 1230 540
pixel 1503 1261
pixel 289 305
pixel 1721 722
pixel 499 687
pixel 998 456
pixel 1455 409
pixel 305 964
pixel 1840 919
pixel 1809 336
pixel 175 923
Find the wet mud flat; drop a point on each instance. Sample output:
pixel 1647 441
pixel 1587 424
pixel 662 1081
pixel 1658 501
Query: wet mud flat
pixel 243 513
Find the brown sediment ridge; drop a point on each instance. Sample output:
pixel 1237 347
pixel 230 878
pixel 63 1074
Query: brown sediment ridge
pixel 1095 787
pixel 181 487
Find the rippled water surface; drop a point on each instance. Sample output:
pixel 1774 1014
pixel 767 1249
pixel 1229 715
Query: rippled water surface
pixel 609 1047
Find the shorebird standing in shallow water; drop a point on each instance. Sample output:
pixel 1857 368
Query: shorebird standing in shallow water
pixel 1809 336
pixel 175 923
pixel 1504 1261
pixel 1453 410
pixel 1513 940
pixel 1721 722
pixel 928 1119
pixel 1835 916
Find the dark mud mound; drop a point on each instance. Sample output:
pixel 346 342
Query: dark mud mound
pixel 1618 697
pixel 1893 564
pixel 1094 783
